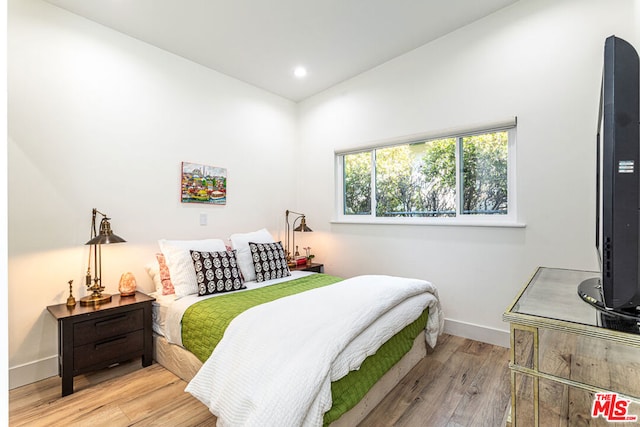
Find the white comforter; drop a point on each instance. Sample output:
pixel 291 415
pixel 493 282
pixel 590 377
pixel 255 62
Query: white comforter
pixel 267 372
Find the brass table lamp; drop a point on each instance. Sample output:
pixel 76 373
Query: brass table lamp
pixel 302 228
pixel 104 236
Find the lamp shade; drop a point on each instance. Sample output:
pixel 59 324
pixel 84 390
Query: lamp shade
pixel 106 235
pixel 302 228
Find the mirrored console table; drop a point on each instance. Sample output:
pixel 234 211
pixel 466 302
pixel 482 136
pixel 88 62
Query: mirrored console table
pixel 563 351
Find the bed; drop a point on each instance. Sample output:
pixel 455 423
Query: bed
pixel 280 356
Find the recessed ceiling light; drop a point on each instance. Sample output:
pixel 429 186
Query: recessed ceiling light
pixel 300 72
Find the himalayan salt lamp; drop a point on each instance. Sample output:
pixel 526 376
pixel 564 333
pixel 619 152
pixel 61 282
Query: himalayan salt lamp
pixel 127 286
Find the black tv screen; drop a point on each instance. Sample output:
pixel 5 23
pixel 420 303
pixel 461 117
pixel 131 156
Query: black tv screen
pixel 618 181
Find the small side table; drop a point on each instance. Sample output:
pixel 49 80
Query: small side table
pixel 95 337
pixel 315 267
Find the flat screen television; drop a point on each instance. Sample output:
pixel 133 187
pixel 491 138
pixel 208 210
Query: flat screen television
pixel 617 289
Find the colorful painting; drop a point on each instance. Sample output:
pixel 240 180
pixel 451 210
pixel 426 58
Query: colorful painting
pixel 203 184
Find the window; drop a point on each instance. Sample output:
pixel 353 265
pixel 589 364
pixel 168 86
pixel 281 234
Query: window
pixel 463 178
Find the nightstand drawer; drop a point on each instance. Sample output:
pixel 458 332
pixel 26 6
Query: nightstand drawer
pixel 94 330
pixel 114 348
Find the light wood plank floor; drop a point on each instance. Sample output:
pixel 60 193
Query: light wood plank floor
pixel 461 383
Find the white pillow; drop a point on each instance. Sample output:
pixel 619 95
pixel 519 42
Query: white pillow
pixel 153 270
pixel 240 242
pixel 178 257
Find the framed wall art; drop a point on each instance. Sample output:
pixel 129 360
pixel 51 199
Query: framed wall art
pixel 203 184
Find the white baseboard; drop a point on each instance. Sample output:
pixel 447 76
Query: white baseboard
pixel 33 371
pixel 477 332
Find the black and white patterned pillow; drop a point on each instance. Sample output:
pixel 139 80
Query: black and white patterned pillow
pixel 216 272
pixel 269 261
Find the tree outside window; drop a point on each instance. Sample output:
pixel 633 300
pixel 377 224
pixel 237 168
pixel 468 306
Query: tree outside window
pixel 484 174
pixel 445 177
pixel 357 183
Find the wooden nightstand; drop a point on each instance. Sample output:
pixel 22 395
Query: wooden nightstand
pixel 316 268
pixel 91 338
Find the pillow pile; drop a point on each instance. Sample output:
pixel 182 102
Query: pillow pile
pixel 178 257
pixel 205 267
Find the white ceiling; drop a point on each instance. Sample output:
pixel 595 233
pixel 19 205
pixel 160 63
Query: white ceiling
pixel 261 41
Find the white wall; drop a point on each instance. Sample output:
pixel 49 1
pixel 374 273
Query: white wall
pixel 98 119
pixel 539 60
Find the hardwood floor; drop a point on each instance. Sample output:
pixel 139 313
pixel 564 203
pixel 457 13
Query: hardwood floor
pixel 460 383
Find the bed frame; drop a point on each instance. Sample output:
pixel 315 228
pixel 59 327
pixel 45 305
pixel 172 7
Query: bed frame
pixel 185 365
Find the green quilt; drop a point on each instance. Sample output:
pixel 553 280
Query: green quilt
pixel 204 323
pixel 350 389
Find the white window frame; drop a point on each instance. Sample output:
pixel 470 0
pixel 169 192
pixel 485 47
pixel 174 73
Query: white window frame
pixel 510 219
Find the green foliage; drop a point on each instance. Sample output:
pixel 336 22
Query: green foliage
pixel 357 183
pixel 485 173
pixel 439 171
pixel 397 182
pixel 420 179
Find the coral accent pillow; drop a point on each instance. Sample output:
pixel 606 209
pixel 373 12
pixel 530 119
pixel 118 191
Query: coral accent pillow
pixel 165 277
